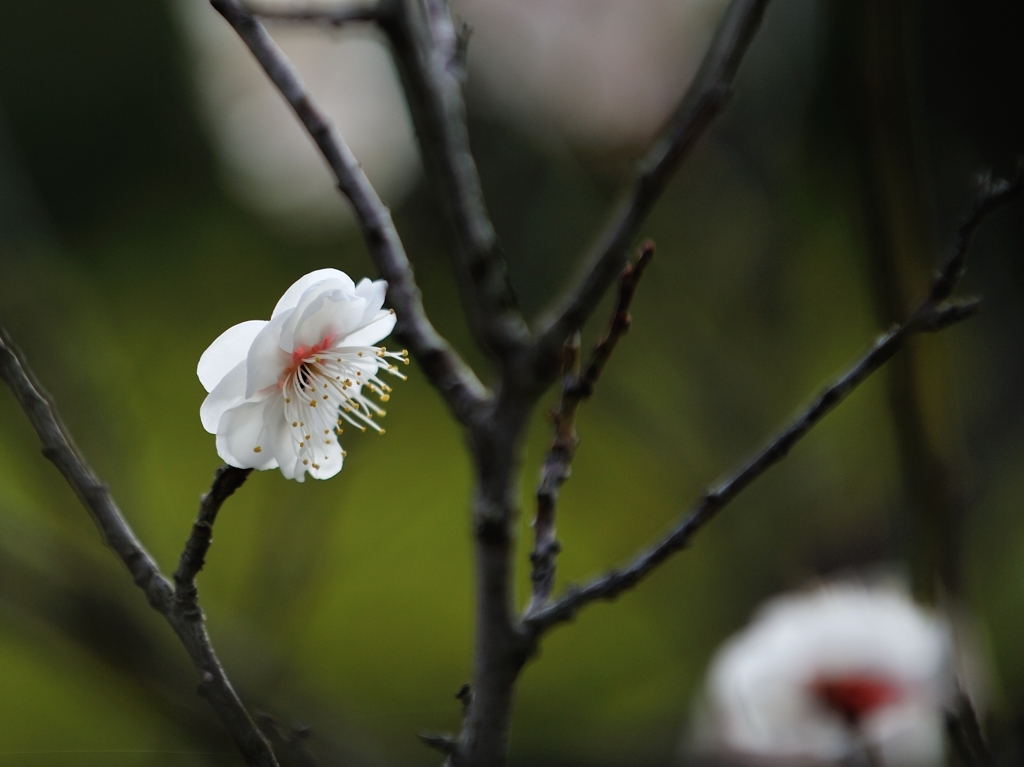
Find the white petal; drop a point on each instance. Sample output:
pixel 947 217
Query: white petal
pixel 291 297
pixel 266 360
pixel 370 334
pixel 374 293
pixel 328 463
pixel 280 441
pixel 229 348
pixel 240 435
pixel 332 314
pixel 229 393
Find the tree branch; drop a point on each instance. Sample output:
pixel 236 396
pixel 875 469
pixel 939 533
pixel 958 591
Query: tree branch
pixel 428 54
pixel 338 17
pixel 931 315
pixel 705 98
pixel 120 538
pixel 558 461
pixel 226 481
pixel 446 370
pixel 427 51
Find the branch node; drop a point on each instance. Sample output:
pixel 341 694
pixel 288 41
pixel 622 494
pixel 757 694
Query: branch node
pixel 443 743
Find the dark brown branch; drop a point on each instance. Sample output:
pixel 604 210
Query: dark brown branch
pixel 337 17
pixel 558 461
pixel 120 538
pixel 705 98
pixel 427 51
pixel 931 315
pixel 447 372
pixel 226 481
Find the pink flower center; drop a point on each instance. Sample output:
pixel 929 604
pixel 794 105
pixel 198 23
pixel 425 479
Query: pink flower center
pixel 301 352
pixel 855 696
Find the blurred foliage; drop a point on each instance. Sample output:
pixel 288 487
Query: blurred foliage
pixel 347 605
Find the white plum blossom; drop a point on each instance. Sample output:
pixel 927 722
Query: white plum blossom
pixel 281 390
pixel 839 673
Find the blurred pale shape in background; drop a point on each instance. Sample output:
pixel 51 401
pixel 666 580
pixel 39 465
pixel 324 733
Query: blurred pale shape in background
pixel 819 675
pixel 603 74
pixel 268 161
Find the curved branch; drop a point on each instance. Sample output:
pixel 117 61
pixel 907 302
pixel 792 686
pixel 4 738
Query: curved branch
pixel 931 315
pixel 226 481
pixel 120 538
pixel 443 366
pixel 705 98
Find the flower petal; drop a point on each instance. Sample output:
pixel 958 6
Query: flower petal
pixel 280 441
pixel 374 293
pixel 332 314
pixel 368 335
pixel 240 436
pixel 328 463
pixel 291 297
pixel 266 360
pixel 227 350
pixel 229 393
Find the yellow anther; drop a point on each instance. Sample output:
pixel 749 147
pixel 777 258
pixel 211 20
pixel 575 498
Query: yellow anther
pixel 302 444
pixel 381 431
pixel 307 436
pixel 327 442
pixel 287 399
pixel 405 352
pixel 384 397
pixel 313 403
pixel 316 466
pixel 295 423
pixel 362 428
pixel 360 354
pixel 257 449
pixel 305 462
pixel 325 396
pixel 343 453
pixel 359 372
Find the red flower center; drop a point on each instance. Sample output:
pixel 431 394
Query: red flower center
pixel 854 696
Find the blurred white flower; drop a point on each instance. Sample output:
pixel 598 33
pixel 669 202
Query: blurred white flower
pixel 600 73
pixel 819 676
pixel 268 161
pixel 279 391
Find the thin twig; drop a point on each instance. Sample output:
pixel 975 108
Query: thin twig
pixel 558 461
pixel 931 315
pixel 705 98
pixel 120 538
pixel 337 17
pixel 226 481
pixel 446 370
pixel 427 51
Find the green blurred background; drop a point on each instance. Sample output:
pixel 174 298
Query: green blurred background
pixel 346 605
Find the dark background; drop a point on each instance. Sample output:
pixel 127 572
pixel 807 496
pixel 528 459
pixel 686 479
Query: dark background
pixel 346 605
